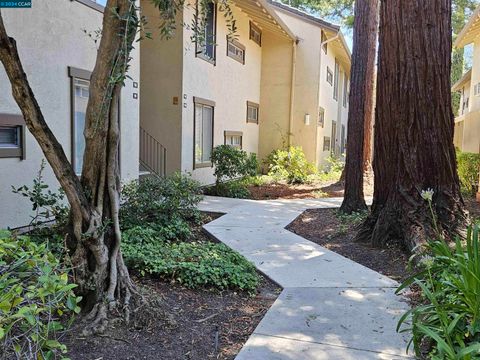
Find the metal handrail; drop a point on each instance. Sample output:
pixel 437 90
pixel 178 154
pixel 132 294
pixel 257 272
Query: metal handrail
pixel 153 155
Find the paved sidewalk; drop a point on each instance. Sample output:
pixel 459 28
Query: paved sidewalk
pixel 330 308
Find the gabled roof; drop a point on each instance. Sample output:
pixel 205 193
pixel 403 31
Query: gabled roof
pixel 332 31
pixel 306 16
pixel 462 81
pixel 264 16
pixel 470 31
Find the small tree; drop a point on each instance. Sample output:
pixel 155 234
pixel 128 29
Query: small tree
pixel 231 163
pixel 94 240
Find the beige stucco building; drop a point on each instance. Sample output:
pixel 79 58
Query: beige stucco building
pixel 273 85
pixel 467 123
pixel 57 56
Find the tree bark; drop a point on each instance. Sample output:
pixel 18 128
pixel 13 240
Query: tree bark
pixel 413 148
pixel 99 271
pixel 361 103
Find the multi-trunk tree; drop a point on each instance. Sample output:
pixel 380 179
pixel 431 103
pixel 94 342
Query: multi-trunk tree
pixel 361 103
pixel 413 148
pixel 94 239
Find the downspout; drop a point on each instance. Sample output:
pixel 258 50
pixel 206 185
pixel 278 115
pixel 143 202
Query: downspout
pixel 292 92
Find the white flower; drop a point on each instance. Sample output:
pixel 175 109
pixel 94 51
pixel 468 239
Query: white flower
pixel 427 195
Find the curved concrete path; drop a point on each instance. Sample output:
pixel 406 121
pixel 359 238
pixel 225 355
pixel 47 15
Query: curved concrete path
pixel 330 306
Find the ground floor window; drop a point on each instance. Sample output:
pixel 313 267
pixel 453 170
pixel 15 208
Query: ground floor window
pixel 12 136
pixel 234 138
pixel 203 124
pixel 81 93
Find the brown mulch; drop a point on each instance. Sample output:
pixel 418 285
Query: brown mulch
pixel 316 190
pixel 323 227
pixel 473 208
pixel 180 323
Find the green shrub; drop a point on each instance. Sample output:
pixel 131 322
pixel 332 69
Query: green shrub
pixel 232 163
pixel 289 164
pixel 232 189
pixel 34 295
pixel 193 264
pixel 162 201
pixel 468 171
pixel 449 316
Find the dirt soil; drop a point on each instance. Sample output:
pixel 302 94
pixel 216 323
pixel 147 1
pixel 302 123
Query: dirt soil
pixel 282 190
pixel 180 323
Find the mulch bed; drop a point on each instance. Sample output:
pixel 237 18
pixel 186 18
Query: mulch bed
pixel 180 323
pixel 282 190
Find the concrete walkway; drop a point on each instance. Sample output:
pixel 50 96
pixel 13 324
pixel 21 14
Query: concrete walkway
pixel 330 307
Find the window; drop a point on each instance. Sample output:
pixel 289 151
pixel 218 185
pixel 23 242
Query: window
pixel 255 34
pixel 234 138
pixel 205 42
pixel 326 143
pixel 345 91
pixel 335 80
pixel 321 117
pixel 476 89
pixel 334 137
pixel 329 76
pixel 342 144
pixel 252 112
pixel 235 50
pixel 324 46
pixel 12 136
pixel 81 92
pixel 203 125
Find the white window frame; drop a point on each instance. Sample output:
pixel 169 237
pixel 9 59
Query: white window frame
pixel 233 135
pixel 251 106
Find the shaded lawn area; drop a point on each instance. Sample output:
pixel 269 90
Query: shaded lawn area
pixel 180 323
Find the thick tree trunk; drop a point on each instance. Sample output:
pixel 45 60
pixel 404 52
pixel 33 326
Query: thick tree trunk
pixel 99 271
pixel 413 148
pixel 360 103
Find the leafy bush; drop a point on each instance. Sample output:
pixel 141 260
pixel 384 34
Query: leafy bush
pixel 163 201
pixel 449 317
pixel 34 294
pixel 468 171
pixel 232 163
pixel 232 189
pixel 289 164
pixel 193 264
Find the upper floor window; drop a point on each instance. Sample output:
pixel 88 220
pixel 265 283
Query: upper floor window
pixel 12 136
pixel 206 25
pixel 335 80
pixel 329 76
pixel 476 89
pixel 255 34
pixel 345 90
pixel 235 50
pixel 252 112
pixel 321 117
pixel 324 39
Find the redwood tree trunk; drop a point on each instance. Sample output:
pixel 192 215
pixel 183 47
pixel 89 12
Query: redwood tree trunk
pixel 360 111
pixel 413 148
pixel 99 271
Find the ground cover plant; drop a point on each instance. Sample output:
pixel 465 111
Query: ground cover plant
pixel 35 295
